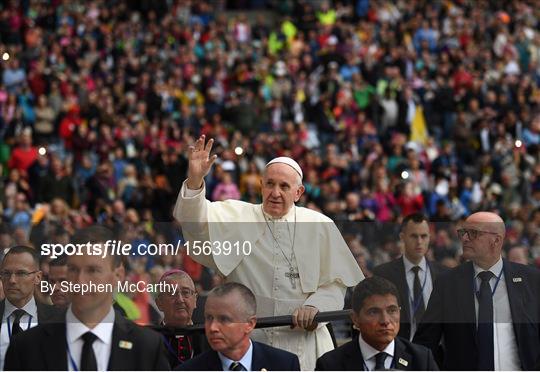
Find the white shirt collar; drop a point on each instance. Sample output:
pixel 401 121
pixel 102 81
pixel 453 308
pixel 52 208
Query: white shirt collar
pixel 495 269
pixel 30 307
pixel 409 265
pixel 369 351
pixel 75 328
pixel 245 361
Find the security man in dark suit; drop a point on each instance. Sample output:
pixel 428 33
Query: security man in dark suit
pixel 376 315
pixel 92 336
pixel 486 310
pixel 229 320
pixel 20 310
pixel 412 274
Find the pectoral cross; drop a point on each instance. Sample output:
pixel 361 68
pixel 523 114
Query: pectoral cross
pixel 292 276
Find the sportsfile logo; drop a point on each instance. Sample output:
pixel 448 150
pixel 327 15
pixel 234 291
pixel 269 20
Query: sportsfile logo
pixel 110 247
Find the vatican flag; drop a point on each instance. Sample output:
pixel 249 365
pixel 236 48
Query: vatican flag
pixel 419 131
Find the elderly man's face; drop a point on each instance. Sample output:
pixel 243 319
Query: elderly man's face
pixel 378 320
pixel 476 242
pixel 481 238
pixel 281 188
pixel 178 307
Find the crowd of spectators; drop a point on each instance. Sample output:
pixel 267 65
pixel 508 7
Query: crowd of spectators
pixel 99 101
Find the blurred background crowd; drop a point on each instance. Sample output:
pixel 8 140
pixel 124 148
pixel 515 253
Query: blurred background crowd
pixel 390 107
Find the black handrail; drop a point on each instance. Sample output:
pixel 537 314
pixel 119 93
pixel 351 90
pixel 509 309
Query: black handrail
pixel 266 322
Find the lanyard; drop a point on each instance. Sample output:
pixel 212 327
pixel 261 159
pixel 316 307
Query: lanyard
pixel 416 304
pixel 9 326
pixel 494 288
pixel 73 364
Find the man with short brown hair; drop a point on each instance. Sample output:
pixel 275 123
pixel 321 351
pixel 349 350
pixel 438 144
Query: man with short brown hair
pixel 412 274
pixel 376 314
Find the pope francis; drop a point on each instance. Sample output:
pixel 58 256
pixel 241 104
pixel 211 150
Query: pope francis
pixel 293 259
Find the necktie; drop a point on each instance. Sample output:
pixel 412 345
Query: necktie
pixel 236 366
pixel 88 357
pixel 418 296
pixel 379 361
pixel 17 315
pixel 485 323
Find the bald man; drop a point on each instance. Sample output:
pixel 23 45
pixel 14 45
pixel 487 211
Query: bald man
pixel 486 310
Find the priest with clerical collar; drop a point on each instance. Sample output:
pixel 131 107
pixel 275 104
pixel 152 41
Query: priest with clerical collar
pixel 177 306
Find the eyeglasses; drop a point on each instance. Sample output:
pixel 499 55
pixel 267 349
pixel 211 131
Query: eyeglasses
pixel 376 312
pixel 185 292
pixel 472 233
pixel 6 275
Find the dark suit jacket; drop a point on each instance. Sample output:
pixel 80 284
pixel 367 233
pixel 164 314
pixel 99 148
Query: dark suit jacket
pixel 264 356
pixel 407 357
pixel 45 348
pixel 46 313
pixel 451 314
pixel 394 271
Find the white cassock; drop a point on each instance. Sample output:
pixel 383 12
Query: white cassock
pixel 309 242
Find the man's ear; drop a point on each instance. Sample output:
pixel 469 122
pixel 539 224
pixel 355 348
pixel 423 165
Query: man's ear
pixel 251 322
pixel 196 297
pixel 37 278
pixel 299 192
pixel 355 319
